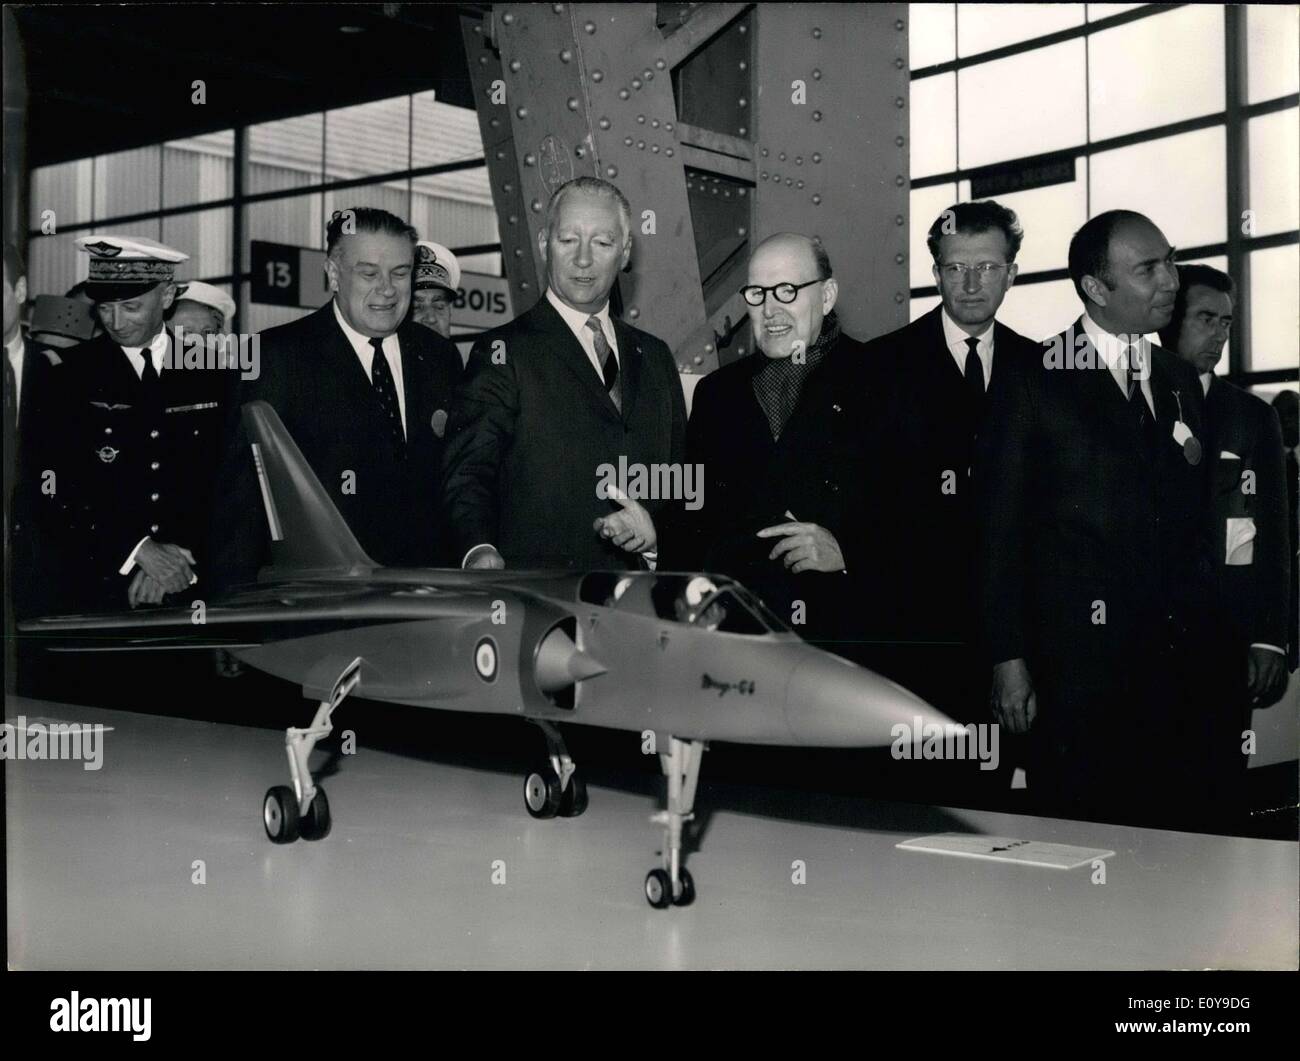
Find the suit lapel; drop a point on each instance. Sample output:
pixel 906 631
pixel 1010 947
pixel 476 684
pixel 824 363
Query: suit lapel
pixel 629 365
pixel 569 352
pixel 417 416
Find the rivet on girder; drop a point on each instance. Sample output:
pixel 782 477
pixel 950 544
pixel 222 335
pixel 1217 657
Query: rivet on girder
pixel 898 296
pixel 590 27
pixel 763 175
pixel 501 156
pixel 899 101
pixel 640 119
pixel 817 116
pixel 898 63
pixel 611 172
pixel 668 126
pixel 636 83
pixel 572 104
pixel 536 206
pixel 741 131
pixel 798 160
pixel 899 259
pixel 566 55
pixel 558 8
pixel 669 152
pixel 899 219
pixel 580 151
pixel 623 93
pixel 530 159
pixel 742 232
pixel 900 181
pixel 817 33
pixel 789 183
pixel 660 64
pixel 817 74
pixel 627 141
pixel 518 253
pixel 899 141
pixel 708 348
pixel 494 122
pixel 515 64
pixel 521 112
pixel 743 65
pixel 513 219
pixel 817 200
pixel 781 156
pixel 634 313
pixel 698 360
pixel 523 284
pixel 603 123
pixel 740 192
pixel 654 149
pixel 654 123
pixel 764 152
pixel 507 18
pixel 816 156
pixel 742 29
pixel 598 76
pixel 507 187
pixel 900 25
pixel 776 177
pixel 648 74
pixel 742 102
pixel 482 60
pixel 799 185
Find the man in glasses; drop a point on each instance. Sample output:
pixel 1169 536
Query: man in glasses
pixel 939 371
pixel 779 435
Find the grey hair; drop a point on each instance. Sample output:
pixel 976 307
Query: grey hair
pixel 591 186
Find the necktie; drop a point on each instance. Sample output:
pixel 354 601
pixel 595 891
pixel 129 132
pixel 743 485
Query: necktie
pixel 149 381
pixel 974 373
pixel 381 377
pixel 1138 403
pixel 608 362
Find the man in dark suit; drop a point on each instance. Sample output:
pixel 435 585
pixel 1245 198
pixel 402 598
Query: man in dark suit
pixel 938 373
pixel 122 483
pixel 1248 488
pixel 1094 579
pixel 365 397
pixel 780 438
pixel 553 399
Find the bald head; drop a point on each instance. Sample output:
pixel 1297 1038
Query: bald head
pixel 789 261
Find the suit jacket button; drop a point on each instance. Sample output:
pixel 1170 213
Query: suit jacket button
pixel 153 529
pixel 153 433
pixel 153 497
pixel 108 430
pixel 154 466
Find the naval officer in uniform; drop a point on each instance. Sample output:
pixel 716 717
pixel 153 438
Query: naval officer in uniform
pixel 125 490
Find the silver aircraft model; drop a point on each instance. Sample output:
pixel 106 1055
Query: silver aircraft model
pixel 681 659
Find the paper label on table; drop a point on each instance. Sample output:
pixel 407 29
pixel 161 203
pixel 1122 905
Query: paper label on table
pixel 1006 849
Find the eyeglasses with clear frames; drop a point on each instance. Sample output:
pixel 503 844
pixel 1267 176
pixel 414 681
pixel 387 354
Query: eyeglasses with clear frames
pixel 958 270
pixel 785 293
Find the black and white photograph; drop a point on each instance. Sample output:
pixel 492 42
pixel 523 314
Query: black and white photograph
pixel 651 487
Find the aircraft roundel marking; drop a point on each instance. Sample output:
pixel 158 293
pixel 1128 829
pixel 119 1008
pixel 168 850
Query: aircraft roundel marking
pixel 485 659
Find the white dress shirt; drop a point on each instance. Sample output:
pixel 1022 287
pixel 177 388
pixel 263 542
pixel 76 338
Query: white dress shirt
pixel 1112 351
pixel 157 348
pixel 14 351
pixel 576 319
pixel 366 355
pixel 956 340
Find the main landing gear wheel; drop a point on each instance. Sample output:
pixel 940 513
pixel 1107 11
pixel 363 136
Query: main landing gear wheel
pixel 315 824
pixel 542 796
pixel 574 800
pixel 672 884
pixel 280 814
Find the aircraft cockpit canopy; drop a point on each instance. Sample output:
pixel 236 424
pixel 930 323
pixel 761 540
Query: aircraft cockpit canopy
pixel 709 601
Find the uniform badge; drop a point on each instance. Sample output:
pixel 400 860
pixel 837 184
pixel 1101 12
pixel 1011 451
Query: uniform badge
pixel 106 250
pixel 107 454
pixel 439 422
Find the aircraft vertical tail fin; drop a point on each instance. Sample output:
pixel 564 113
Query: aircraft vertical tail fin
pixel 308 534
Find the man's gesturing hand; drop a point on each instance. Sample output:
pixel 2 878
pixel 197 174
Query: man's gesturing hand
pixel 168 565
pixel 1014 703
pixel 632 529
pixel 805 546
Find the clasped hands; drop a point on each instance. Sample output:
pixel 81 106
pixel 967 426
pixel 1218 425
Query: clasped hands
pixel 160 569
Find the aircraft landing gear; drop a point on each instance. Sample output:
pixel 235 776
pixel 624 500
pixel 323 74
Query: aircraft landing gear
pixel 304 810
pixel 672 885
pixel 555 788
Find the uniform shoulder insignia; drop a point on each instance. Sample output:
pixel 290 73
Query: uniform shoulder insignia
pixel 106 250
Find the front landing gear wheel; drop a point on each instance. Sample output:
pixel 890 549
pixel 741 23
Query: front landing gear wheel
pixel 574 800
pixel 280 814
pixel 315 824
pixel 542 794
pixel 658 889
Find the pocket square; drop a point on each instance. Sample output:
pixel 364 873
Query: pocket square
pixel 1228 455
pixel 1240 547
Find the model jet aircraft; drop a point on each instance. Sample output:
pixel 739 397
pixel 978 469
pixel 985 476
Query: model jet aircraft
pixel 687 658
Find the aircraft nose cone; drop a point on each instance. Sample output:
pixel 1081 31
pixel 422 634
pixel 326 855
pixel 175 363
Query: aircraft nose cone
pixel 832 703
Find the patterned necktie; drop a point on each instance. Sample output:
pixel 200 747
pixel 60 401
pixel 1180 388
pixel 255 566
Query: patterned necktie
pixel 608 362
pixel 974 373
pixel 1137 402
pixel 386 391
